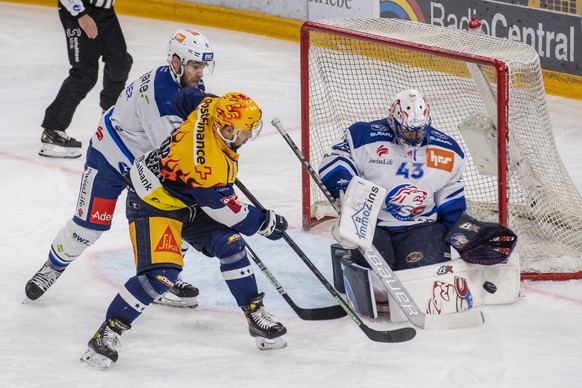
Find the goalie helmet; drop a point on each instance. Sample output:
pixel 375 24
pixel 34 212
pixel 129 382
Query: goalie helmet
pixel 409 115
pixel 240 112
pixel 190 45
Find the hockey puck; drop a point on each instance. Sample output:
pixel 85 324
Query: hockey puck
pixel 490 287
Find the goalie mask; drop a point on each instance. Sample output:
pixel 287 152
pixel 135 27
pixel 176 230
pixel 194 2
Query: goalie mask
pixel 409 115
pixel 190 45
pixel 240 112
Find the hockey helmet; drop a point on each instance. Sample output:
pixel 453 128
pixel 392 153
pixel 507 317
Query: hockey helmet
pixel 190 45
pixel 409 115
pixel 240 112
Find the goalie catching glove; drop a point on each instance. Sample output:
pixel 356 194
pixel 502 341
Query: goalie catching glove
pixel 485 243
pixel 274 226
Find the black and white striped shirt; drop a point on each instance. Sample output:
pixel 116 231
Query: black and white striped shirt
pixel 77 7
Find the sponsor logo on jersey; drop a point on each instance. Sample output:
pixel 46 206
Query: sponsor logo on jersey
pixel 99 133
pixel 203 172
pixel 379 127
pixel 85 193
pixel 233 238
pixel 406 201
pixel 440 159
pixel 387 162
pixel 382 150
pixel 439 139
pixel 232 202
pixel 201 124
pixel 343 146
pixel 123 168
pixel 168 243
pixel 102 211
pixel 146 184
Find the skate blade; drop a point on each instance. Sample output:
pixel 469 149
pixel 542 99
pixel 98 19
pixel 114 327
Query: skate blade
pixel 172 300
pixel 55 151
pixel 96 360
pixel 271 344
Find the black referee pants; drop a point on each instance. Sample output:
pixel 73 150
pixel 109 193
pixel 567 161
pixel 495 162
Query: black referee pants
pixel 84 54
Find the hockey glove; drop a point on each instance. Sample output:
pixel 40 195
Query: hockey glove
pixel 274 226
pixel 485 243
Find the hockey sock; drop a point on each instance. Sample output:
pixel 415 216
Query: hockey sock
pixel 139 291
pixel 240 280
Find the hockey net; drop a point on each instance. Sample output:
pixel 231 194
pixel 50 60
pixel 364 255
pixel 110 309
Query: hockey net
pixel 351 69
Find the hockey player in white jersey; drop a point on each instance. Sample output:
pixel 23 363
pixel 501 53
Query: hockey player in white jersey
pixel 421 169
pixel 142 117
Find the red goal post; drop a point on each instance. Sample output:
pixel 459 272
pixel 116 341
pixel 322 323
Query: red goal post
pixel 351 68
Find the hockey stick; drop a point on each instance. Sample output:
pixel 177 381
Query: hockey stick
pixel 309 314
pixel 384 272
pixel 397 335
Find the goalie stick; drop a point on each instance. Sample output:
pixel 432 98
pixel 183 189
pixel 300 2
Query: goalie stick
pixel 391 336
pixel 387 277
pixel 309 314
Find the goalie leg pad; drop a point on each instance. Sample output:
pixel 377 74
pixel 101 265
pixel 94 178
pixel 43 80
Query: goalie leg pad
pixel 337 252
pixel 359 288
pixel 456 285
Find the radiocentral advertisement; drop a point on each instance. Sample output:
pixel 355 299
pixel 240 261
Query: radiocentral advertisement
pixel 552 27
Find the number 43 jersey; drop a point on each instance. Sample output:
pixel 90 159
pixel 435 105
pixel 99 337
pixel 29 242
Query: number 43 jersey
pixel 423 185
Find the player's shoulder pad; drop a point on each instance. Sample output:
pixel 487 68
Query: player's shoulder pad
pixel 441 139
pixel 187 100
pixel 370 132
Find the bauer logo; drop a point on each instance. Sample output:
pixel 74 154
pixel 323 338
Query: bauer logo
pixel 207 57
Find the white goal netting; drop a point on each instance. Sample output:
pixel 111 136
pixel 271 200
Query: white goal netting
pixel 357 66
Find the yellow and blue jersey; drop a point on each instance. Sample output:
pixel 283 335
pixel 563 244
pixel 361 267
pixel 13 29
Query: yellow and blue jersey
pixel 194 166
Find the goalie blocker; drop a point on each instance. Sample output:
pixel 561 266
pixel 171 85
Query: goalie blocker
pixel 485 274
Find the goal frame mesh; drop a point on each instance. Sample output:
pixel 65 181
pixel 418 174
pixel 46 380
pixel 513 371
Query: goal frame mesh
pixel 502 74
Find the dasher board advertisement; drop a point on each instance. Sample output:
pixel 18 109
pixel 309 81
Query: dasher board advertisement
pixel 552 27
pixel 329 9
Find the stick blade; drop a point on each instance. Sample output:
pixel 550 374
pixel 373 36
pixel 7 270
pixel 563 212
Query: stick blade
pixel 321 313
pixel 390 336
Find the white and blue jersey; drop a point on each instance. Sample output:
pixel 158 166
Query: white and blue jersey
pixel 141 119
pixel 423 185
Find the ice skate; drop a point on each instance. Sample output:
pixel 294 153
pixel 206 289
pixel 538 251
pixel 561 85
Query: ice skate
pixel 57 144
pixel 102 348
pixel 41 281
pixel 268 333
pixel 183 294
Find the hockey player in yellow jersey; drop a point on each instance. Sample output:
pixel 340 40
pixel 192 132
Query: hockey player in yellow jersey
pixel 185 189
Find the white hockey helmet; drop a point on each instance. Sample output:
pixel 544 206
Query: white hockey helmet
pixel 409 115
pixel 190 45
